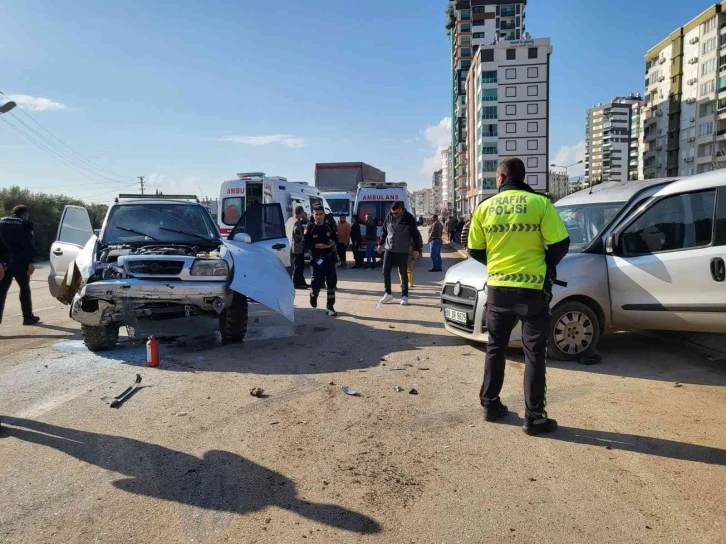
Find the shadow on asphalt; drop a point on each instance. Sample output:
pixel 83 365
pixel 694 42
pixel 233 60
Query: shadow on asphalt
pixel 634 355
pixel 220 480
pixel 319 344
pixel 632 442
pixel 69 333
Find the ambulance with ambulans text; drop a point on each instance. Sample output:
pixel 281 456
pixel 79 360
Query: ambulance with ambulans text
pixel 376 199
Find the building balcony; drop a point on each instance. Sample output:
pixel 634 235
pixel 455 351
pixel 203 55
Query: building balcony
pixel 507 12
pixel 462 188
pixel 460 149
pixel 706 159
pixel 507 25
pixel 721 135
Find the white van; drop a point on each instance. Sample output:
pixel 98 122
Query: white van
pixel 376 199
pixel 253 188
pixel 342 203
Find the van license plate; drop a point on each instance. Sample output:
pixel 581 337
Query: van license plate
pixel 454 315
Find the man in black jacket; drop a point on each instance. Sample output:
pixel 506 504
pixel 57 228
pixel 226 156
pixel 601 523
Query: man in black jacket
pixel 400 232
pixel 321 239
pixel 17 230
pixel 355 242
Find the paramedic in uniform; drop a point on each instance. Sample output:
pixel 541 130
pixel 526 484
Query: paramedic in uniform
pixel 321 240
pixel 521 238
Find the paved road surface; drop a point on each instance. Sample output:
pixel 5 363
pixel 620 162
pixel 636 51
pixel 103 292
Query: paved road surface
pixel 194 458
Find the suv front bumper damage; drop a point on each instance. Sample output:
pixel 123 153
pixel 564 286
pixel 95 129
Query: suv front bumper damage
pixel 106 301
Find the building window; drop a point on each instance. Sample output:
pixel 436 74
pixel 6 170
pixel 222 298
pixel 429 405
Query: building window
pixel 487 55
pixel 490 149
pixel 709 25
pixel 532 109
pixel 511 145
pixel 532 126
pixel 489 76
pixel 531 90
pixel 708 67
pixel 709 45
pixel 533 180
pixel 490 112
pixel 510 73
pixel 488 95
pixel 479 9
pixel 532 145
pixel 511 128
pixel 532 72
pixel 465 28
pixel 708 87
pixel 705 129
pixel 532 162
pixel 511 54
pixel 533 52
pixel 488 183
pixel 480 22
pixel 478 35
pixel 511 109
pixel 489 166
pixel 489 131
pixel 510 92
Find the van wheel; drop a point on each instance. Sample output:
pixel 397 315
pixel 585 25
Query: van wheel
pixel 100 338
pixel 233 320
pixel 575 332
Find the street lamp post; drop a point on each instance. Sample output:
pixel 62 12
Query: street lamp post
pixel 7 107
pixel 566 171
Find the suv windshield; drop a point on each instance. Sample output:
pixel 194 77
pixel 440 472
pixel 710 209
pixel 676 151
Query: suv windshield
pixel 584 222
pixel 129 223
pixel 339 206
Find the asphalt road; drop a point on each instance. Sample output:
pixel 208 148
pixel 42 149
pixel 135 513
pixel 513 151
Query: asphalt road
pixel 192 457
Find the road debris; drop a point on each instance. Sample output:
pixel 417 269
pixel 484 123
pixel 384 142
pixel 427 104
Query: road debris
pixel 413 392
pixel 424 368
pixel 257 392
pixel 331 383
pixel 181 414
pixel 398 368
pixel 398 389
pixel 677 384
pixel 117 401
pixel 351 392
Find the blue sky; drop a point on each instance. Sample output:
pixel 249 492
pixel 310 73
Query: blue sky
pixel 190 93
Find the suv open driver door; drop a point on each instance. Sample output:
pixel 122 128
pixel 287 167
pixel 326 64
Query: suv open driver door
pixel 266 228
pixel 74 231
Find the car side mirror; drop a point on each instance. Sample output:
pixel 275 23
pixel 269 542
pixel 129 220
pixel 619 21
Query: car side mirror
pixel 611 245
pixel 242 237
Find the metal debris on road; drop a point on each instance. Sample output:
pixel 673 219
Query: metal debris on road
pixel 677 384
pixel 331 383
pixel 398 389
pixel 398 368
pixel 181 414
pixel 257 392
pixel 413 392
pixel 351 392
pixel 424 368
pixel 118 400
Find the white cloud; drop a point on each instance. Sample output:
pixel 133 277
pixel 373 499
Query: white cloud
pixel 570 154
pixel 438 138
pixel 36 103
pixel 281 139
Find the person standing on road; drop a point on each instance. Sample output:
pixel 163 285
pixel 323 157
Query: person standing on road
pixel 17 231
pixel 298 249
pixel 451 228
pixel 465 232
pixel 521 238
pixel 343 241
pixel 371 235
pixel 436 233
pixel 355 242
pixel 399 233
pixel 321 240
pixel 6 257
pixel 459 229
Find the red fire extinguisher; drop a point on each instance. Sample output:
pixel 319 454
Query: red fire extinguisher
pixel 152 352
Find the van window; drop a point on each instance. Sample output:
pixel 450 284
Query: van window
pixel 315 201
pixel 676 222
pixel 232 210
pixel 339 206
pixel 378 210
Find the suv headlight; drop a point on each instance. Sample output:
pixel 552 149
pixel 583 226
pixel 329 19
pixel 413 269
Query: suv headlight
pixel 210 267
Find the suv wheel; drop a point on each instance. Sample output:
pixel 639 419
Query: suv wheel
pixel 100 338
pixel 233 320
pixel 575 332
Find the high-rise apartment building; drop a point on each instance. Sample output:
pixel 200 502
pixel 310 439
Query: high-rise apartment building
pixel 423 202
pixel 685 86
pixel 436 193
pixel 559 185
pixel 507 96
pixel 612 133
pixel 447 181
pixel 472 25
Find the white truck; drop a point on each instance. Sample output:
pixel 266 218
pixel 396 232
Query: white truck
pixel 255 188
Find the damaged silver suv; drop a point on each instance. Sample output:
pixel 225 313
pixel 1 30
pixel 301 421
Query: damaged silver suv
pixel 159 266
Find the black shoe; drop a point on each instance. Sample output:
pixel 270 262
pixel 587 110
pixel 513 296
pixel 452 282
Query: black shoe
pixel 547 426
pixel 314 302
pixel 331 311
pixel 304 287
pixel 494 410
pixel 32 321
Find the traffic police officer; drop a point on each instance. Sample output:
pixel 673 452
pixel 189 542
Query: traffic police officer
pixel 321 240
pixel 17 230
pixel 521 238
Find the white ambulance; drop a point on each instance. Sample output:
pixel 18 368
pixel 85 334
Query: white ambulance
pixel 376 199
pixel 251 188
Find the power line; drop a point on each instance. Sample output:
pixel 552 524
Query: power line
pixel 79 155
pixel 60 151
pixel 141 182
pixel 109 192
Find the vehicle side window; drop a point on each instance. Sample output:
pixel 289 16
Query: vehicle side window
pixel 673 223
pixel 76 228
pixel 720 229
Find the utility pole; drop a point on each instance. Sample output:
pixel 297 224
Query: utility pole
pixel 141 182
